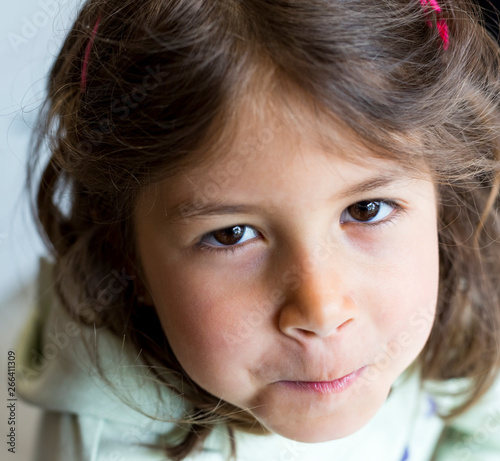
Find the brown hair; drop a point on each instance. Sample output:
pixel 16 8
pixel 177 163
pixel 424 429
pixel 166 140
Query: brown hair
pixel 166 78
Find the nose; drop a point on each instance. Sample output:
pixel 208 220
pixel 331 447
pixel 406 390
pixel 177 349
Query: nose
pixel 319 303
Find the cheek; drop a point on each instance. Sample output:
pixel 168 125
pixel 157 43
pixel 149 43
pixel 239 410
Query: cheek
pixel 202 319
pixel 409 294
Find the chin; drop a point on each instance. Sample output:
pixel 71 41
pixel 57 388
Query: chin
pixel 324 432
pixel 332 424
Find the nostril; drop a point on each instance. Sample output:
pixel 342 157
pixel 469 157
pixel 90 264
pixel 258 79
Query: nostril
pixel 344 324
pixel 321 330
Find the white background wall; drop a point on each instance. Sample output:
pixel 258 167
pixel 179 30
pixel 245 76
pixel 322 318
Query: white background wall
pixel 31 32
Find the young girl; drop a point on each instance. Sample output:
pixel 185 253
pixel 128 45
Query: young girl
pixel 275 233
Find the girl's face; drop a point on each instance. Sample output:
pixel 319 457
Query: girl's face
pixel 291 282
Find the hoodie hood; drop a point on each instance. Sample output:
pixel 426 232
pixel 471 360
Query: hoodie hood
pixel 57 369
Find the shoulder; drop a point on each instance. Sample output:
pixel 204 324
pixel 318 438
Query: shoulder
pixel 473 434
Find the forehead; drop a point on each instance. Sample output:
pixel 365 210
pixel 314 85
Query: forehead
pixel 271 109
pixel 262 122
pixel 266 162
pixel 257 139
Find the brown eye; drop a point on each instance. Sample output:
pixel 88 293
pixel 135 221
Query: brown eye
pixel 369 212
pixel 230 235
pixel 364 211
pixel 229 238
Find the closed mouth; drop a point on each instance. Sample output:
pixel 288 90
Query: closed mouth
pixel 326 387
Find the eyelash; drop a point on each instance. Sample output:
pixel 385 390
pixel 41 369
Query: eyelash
pixel 226 249
pixel 230 249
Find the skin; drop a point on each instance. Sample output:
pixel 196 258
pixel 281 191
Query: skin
pixel 308 294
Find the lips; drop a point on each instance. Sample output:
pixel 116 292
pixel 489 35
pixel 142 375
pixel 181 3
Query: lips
pixel 325 387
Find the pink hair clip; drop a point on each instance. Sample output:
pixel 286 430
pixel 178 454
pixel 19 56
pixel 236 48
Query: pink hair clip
pixel 87 54
pixel 442 26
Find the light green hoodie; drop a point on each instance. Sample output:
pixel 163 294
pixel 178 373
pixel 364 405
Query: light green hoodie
pixel 85 420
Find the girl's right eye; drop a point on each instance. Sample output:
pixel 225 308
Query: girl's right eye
pixel 228 238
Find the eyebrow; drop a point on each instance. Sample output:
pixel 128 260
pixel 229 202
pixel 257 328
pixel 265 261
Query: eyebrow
pixel 186 210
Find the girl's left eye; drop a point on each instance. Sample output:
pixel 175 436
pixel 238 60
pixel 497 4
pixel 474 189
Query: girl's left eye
pixel 228 238
pixel 368 211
